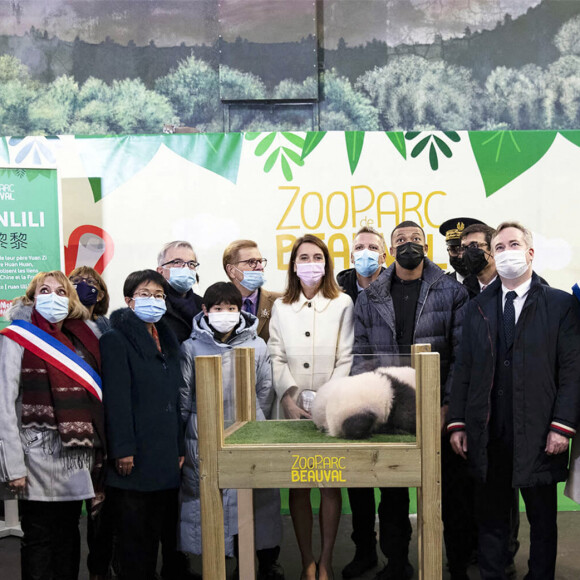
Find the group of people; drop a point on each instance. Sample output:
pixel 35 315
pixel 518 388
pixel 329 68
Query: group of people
pixel 103 411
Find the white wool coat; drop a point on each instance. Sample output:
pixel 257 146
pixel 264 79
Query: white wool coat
pixel 310 341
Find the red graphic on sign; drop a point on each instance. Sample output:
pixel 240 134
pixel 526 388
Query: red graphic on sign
pixel 88 246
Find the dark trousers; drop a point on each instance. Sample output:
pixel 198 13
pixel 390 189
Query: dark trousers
pixel 100 538
pixel 460 531
pixel 494 501
pixel 457 509
pixel 142 519
pixel 394 525
pixel 51 546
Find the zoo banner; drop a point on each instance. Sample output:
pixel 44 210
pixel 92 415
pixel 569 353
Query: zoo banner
pixel 124 197
pixel 29 229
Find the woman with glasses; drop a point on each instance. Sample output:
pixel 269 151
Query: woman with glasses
pixel 311 338
pixel 141 382
pixel 51 422
pixel 93 294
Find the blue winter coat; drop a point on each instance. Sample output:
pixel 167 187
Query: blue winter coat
pixel 268 522
pixel 141 398
pixel 438 318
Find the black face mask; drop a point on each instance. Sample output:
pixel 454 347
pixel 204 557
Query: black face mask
pixel 458 265
pixel 410 255
pixel 474 260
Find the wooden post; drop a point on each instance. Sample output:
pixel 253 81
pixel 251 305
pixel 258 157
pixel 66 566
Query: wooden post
pixel 429 494
pixel 210 412
pixel 246 411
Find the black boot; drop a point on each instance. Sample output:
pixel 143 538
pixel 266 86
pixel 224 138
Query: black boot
pixel 364 559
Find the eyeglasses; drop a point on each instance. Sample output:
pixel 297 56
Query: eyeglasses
pixel 473 246
pixel 177 263
pixel 147 294
pixel 90 281
pixel 253 262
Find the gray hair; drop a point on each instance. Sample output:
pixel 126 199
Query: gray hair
pixel 171 245
pixel 528 238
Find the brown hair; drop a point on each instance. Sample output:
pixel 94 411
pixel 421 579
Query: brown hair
pixel 370 230
pixel 75 308
pixel 484 229
pixel 102 305
pixel 329 287
pixel 527 234
pixel 232 251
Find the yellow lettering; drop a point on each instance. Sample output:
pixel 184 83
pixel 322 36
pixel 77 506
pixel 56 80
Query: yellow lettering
pixel 414 208
pixel 320 210
pixel 303 477
pixel 345 214
pixel 284 243
pixel 394 212
pixel 426 210
pixel 292 201
pixel 311 475
pixel 295 464
pixel 341 462
pixel 354 209
pixel 295 476
pixel 343 253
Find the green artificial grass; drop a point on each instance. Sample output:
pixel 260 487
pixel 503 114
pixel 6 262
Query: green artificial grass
pixel 290 432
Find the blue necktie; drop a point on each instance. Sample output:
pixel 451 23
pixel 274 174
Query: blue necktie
pixel 509 318
pixel 247 306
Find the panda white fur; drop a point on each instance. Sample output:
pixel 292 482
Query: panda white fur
pixel 381 401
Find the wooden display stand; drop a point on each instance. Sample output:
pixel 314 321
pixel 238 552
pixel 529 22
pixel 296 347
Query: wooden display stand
pixel 264 465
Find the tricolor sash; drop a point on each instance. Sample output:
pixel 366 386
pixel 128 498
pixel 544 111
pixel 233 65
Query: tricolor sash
pixel 54 352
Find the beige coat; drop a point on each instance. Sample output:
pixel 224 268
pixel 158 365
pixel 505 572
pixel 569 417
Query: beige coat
pixel 264 312
pixel 310 342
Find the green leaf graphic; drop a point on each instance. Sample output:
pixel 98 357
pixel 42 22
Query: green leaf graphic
pixel 433 161
pixel 443 146
pixel 264 144
pixel 313 138
pixel 420 146
pixel 354 146
pixel 410 135
pixel 294 139
pixel 504 155
pixel 270 162
pixel 453 136
pixel 572 136
pixel 4 154
pixel 286 169
pixel 293 156
pixel 398 140
pixel 251 136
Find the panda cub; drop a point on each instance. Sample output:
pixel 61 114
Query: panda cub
pixel 381 401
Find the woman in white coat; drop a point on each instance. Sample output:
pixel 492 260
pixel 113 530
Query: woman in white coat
pixel 311 338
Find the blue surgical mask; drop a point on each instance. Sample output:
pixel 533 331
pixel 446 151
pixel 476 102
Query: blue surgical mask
pixel 52 307
pixel 149 309
pixel 182 279
pixel 366 262
pixel 253 279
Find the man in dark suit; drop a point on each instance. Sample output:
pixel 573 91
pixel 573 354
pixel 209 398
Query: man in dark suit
pixel 515 401
pixel 178 264
pixel 244 266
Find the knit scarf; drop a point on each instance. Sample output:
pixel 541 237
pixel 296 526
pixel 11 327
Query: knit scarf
pixel 53 400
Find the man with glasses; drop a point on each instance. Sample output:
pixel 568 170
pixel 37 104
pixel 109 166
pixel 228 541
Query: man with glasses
pixel 178 264
pixel 244 266
pixel 475 251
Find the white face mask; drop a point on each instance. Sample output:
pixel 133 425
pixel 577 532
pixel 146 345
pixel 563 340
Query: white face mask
pixel 511 264
pixel 52 307
pixel 223 321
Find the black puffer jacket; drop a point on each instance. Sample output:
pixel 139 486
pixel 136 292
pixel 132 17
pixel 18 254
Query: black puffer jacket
pixel 546 379
pixel 438 319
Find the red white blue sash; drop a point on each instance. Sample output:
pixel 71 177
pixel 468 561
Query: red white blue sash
pixel 54 352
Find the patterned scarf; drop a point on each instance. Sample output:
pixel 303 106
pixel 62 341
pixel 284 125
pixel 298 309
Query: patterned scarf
pixel 51 399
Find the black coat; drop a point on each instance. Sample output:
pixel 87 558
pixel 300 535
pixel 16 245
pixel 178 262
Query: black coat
pixel 140 395
pixel 347 281
pixel 546 379
pixel 181 312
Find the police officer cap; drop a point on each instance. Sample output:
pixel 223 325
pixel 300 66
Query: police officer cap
pixel 453 227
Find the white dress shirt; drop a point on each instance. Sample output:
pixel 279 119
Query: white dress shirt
pixel 519 301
